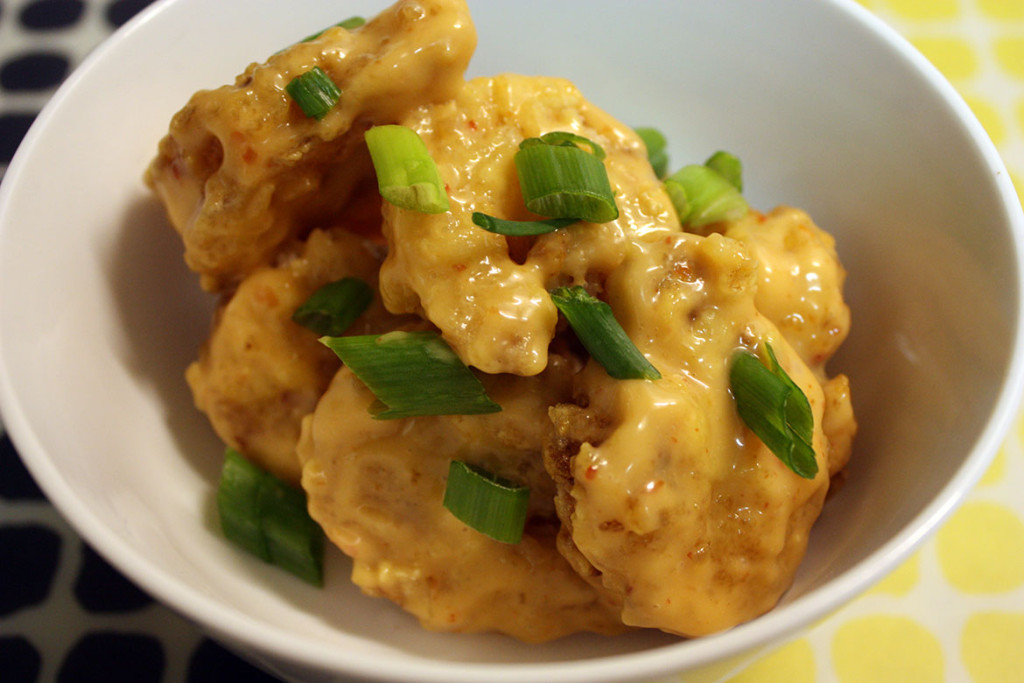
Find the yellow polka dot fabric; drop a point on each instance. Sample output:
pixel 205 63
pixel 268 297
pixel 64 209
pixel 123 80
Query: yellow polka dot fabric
pixel 953 612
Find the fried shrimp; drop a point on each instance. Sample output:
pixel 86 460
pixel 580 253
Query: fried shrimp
pixel 242 170
pixel 668 503
pixel 376 488
pixel 488 293
pixel 260 373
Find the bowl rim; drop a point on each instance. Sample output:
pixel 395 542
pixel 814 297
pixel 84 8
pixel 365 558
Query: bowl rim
pixel 255 639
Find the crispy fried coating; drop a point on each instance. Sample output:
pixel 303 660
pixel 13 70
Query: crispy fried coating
pixel 376 487
pixel 243 170
pixel 488 294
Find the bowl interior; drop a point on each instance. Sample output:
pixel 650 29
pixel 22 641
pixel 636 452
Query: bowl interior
pixel 827 110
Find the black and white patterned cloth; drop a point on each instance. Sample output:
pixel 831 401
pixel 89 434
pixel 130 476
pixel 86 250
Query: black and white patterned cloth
pixel 65 614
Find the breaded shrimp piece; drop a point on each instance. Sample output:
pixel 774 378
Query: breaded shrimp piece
pixel 488 293
pixel 376 488
pixel 669 503
pixel 243 170
pixel 259 373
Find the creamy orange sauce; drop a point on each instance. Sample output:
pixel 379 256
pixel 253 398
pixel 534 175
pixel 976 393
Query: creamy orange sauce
pixel 651 503
pixel 259 373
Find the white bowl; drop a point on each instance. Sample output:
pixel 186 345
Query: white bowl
pixel 829 110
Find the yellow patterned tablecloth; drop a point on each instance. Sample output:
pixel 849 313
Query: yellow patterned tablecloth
pixel 955 611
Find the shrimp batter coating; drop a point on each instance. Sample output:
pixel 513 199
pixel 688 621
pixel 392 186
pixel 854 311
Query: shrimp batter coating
pixel 243 170
pixel 259 373
pixel 376 486
pixel 487 293
pixel 668 502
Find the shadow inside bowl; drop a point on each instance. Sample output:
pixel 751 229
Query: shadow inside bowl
pixel 164 318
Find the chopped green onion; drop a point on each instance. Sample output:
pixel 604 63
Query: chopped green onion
pixel 701 196
pixel 265 516
pixel 237 502
pixel 314 92
pixel 485 502
pixel 351 23
pixel 561 138
pixel 728 166
pixel 602 335
pixel 347 24
pixel 406 174
pixel 563 181
pixel 772 405
pixel 504 227
pixel 294 540
pixel 331 309
pixel 655 143
pixel 412 374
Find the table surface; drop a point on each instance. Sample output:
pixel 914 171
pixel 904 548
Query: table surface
pixel 953 612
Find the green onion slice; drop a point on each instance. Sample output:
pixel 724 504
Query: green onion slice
pixel 702 196
pixel 602 335
pixel 238 504
pixel 504 227
pixel 561 180
pixel 655 143
pixel 728 166
pixel 562 138
pixel 347 24
pixel 331 309
pixel 406 173
pixel 265 516
pixel 485 502
pixel 314 92
pixel 351 23
pixel 772 405
pixel 412 374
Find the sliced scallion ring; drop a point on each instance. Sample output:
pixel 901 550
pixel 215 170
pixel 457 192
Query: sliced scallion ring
pixel 407 176
pixel 702 196
pixel 655 143
pixel 268 518
pixel 412 374
pixel 351 23
pixel 775 409
pixel 728 166
pixel 314 92
pixel 483 501
pixel 601 334
pixel 505 227
pixel 238 495
pixel 347 24
pixel 562 138
pixel 564 181
pixel 332 308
